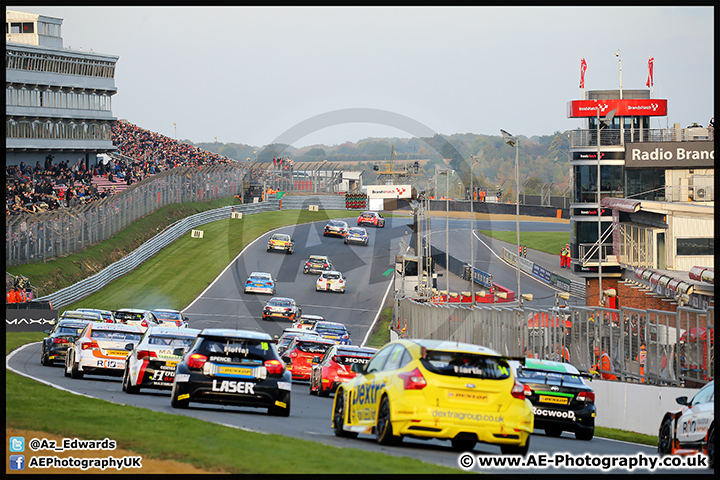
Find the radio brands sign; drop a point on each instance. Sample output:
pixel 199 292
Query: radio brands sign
pixel 670 154
pixel 389 191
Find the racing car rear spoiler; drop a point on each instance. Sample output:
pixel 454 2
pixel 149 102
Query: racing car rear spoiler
pixel 539 370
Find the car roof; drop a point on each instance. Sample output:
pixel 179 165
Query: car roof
pixel 313 339
pixel 330 324
pixel 131 310
pixel 228 332
pixel 355 349
pixel 280 235
pixel 549 366
pixel 281 299
pixel 331 271
pixel 119 327
pixel 319 257
pixel 297 330
pixel 97 310
pixel 166 310
pixel 450 346
pixel 177 332
pixel 73 322
pixel 312 317
pixel 260 274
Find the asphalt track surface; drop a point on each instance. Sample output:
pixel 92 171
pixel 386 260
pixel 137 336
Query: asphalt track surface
pixel 223 304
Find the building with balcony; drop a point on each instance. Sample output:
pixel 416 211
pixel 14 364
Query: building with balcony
pixel 655 204
pixel 57 100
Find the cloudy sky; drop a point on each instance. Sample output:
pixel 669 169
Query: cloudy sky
pixel 330 75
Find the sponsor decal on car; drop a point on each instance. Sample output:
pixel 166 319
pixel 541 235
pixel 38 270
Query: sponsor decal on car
pixel 477 397
pixel 182 377
pixel 233 387
pixel 544 412
pixel 478 417
pixel 549 399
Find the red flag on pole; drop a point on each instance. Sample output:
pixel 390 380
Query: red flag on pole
pixel 649 82
pixel 583 67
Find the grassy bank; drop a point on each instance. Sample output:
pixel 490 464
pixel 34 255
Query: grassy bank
pixel 548 242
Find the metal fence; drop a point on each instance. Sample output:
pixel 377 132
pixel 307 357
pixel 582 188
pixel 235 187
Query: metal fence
pixel 679 346
pixel 41 236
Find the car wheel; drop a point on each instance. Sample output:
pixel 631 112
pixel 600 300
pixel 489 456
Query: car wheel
pixel 321 391
pixel 44 359
pixel 586 434
pixel 383 428
pixel 665 438
pixel 75 371
pixel 553 432
pixel 312 392
pixel 280 411
pixel 67 365
pixel 516 449
pixel 711 447
pixel 463 444
pixel 174 402
pixel 127 387
pixel 338 418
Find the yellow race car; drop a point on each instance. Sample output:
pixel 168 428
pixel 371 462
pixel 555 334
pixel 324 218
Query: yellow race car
pixel 281 241
pixel 436 389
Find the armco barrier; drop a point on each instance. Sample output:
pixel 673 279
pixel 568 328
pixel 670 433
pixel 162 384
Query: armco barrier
pixel 92 284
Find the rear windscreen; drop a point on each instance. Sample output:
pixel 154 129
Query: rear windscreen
pixel 331 330
pixel 167 316
pixel 172 342
pixel 309 347
pixel 115 336
pixel 466 365
pixel 236 350
pixel 70 331
pixel 552 378
pixel 128 316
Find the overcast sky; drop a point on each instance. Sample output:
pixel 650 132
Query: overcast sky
pixel 330 75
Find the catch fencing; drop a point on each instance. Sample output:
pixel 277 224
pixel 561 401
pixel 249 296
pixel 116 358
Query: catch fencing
pixel 39 237
pixel 678 346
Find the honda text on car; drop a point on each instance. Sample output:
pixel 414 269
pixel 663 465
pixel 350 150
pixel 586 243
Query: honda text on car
pixel 340 364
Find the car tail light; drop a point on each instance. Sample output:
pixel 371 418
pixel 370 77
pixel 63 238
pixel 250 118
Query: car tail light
pixel 146 354
pixel 60 340
pixel 518 390
pixel 274 367
pixel 144 323
pixel 109 321
pixel 293 355
pixel 586 397
pixel 196 360
pixel 413 380
pixel 307 264
pixel 90 345
pixel 527 390
pixel 325 265
pixel 287 309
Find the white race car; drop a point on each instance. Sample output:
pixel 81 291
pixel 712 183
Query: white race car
pixel 101 349
pixel 330 281
pixel 691 429
pixel 152 363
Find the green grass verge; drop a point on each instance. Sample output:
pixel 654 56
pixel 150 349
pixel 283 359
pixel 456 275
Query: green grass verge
pixel 548 242
pixel 381 333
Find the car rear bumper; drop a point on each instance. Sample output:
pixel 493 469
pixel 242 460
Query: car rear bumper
pixel 569 420
pixel 259 290
pixel 265 393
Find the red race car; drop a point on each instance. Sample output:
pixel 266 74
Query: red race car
pixel 340 364
pixel 301 352
pixel 371 218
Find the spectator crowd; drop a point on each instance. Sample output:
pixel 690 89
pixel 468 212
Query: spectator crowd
pixel 54 185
